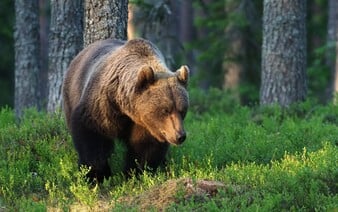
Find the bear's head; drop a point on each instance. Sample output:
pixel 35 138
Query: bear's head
pixel 162 102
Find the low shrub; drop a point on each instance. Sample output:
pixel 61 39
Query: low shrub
pixel 281 159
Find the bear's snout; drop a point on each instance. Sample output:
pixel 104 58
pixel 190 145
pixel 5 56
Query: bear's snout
pixel 181 136
pixel 176 138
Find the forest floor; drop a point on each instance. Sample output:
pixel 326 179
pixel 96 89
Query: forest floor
pixel 235 158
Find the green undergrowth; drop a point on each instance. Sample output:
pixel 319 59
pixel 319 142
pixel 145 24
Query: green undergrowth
pixel 283 159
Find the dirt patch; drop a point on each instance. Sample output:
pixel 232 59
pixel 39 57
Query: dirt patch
pixel 79 207
pixel 161 196
pixel 175 191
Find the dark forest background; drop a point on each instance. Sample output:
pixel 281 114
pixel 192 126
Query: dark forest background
pixel 199 33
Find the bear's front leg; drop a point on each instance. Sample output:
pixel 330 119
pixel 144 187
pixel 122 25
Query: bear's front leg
pixel 93 149
pixel 143 155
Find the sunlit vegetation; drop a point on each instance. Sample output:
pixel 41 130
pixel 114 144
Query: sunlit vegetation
pixel 267 159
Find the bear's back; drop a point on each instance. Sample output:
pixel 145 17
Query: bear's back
pixel 80 70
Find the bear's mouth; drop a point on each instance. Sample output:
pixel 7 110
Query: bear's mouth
pixel 162 137
pixel 165 139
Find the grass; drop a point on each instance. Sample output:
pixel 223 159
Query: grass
pixel 268 159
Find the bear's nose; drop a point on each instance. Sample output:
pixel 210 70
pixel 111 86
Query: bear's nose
pixel 181 137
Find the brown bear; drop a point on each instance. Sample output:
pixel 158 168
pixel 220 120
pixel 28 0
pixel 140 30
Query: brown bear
pixel 123 90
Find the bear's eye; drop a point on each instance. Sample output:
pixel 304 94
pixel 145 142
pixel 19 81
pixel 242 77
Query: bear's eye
pixel 165 111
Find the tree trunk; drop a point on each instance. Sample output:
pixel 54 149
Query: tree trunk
pixel 131 31
pixel 27 50
pixel 187 31
pixel 332 56
pixel 283 52
pixel 233 62
pixel 168 37
pixel 44 32
pixel 105 19
pixel 65 41
pixel 335 80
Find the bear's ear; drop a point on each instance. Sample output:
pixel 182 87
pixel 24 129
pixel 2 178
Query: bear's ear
pixel 146 77
pixel 183 75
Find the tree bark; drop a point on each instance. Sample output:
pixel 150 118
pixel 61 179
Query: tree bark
pixel 168 37
pixel 65 41
pixel 161 26
pixel 131 30
pixel 105 19
pixel 187 31
pixel 27 50
pixel 283 52
pixel 233 62
pixel 44 22
pixel 335 80
pixel 332 56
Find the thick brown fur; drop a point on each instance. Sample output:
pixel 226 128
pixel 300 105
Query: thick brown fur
pixel 123 90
